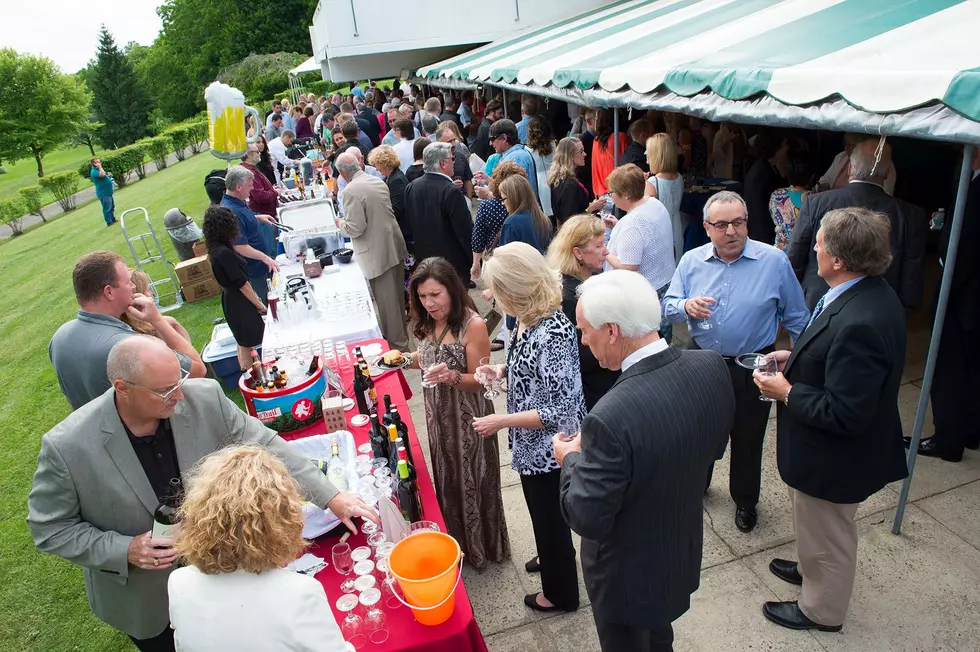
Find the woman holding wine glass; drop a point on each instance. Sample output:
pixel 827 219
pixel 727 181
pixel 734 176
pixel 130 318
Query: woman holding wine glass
pixel 544 388
pixel 452 340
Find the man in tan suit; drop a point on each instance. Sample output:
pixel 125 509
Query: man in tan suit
pixel 378 245
pixel 103 471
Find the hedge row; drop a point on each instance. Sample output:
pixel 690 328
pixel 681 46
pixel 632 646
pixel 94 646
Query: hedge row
pixel 120 163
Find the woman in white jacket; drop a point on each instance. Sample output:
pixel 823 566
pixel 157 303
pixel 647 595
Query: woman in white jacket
pixel 241 523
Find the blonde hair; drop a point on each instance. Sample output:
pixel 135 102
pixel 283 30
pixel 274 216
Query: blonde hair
pixel 661 154
pixel 141 281
pixel 521 280
pixel 384 157
pixel 577 231
pixel 521 196
pixel 241 511
pixel 503 171
pixel 563 166
pixel 453 127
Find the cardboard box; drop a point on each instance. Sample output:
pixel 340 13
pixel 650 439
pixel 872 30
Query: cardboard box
pixel 199 248
pixel 194 270
pixel 201 290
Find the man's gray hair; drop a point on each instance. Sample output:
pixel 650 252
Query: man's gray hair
pixel 863 160
pixel 405 110
pixel 125 361
pixel 236 177
pixel 433 155
pixel 723 197
pixel 429 124
pixel 623 298
pixel 860 238
pixel 347 164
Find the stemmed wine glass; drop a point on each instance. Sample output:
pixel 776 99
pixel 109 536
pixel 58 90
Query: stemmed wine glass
pixel 343 563
pixel 375 621
pixel 767 365
pixel 490 378
pixel 352 627
pixel 705 324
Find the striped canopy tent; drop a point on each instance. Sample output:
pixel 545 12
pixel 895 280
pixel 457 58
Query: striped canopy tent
pixel 889 67
pixel 894 67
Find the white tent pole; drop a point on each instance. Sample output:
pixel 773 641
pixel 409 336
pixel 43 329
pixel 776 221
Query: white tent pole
pixel 504 91
pixel 966 172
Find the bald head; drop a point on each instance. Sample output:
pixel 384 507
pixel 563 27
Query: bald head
pixel 132 359
pixel 347 164
pixel 863 160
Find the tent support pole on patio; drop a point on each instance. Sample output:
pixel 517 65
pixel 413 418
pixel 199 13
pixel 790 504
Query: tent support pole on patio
pixel 615 138
pixel 966 172
pixel 504 96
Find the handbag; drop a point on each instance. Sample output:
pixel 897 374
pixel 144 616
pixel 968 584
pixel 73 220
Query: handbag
pixel 493 316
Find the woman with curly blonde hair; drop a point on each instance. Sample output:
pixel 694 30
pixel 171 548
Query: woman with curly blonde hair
pixel 241 522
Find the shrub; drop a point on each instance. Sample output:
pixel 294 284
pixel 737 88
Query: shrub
pixel 12 212
pixel 158 148
pixel 120 162
pixel 32 200
pixel 199 135
pixel 180 138
pixel 63 186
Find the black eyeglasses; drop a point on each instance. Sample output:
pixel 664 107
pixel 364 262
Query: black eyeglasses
pixel 721 227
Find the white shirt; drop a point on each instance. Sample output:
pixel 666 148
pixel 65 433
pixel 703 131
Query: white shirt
pixel 406 153
pixel 274 610
pixel 653 348
pixel 841 161
pixel 278 152
pixel 644 237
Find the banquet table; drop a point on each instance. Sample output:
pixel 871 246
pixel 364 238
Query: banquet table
pixel 458 634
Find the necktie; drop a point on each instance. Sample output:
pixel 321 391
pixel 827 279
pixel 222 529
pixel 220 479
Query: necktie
pixel 817 309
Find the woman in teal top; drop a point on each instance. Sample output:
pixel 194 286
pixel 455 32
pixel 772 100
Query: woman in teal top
pixel 785 203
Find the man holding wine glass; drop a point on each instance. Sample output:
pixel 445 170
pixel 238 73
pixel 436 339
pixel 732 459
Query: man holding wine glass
pixel 734 293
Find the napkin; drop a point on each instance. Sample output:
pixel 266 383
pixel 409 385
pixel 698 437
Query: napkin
pixel 392 522
pixel 309 564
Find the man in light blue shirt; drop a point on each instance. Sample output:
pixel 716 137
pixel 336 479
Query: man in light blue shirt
pixel 403 111
pixel 504 139
pixel 529 108
pixel 734 293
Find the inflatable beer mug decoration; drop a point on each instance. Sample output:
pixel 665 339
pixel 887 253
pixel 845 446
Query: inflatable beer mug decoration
pixel 226 121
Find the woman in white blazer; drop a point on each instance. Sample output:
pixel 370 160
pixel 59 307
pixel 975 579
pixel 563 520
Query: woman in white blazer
pixel 241 523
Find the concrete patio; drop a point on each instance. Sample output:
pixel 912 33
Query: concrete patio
pixel 917 592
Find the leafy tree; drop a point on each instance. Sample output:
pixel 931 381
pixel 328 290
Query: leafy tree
pixel 88 134
pixel 31 196
pixel 261 75
pixel 119 103
pixel 40 108
pixel 12 214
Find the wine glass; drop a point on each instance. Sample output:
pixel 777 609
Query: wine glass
pixel 369 528
pixel 343 355
pixel 359 554
pixel 389 589
pixel 705 324
pixel 376 539
pixel 375 621
pixel 767 365
pixel 490 379
pixel 424 366
pixel 352 627
pixel 343 563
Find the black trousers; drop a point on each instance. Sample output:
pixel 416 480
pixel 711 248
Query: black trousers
pixel 955 388
pixel 553 539
pixel 162 642
pixel 614 637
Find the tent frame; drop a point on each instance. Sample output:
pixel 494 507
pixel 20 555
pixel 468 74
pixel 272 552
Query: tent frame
pixel 935 122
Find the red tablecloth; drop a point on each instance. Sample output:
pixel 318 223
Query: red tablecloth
pixel 458 634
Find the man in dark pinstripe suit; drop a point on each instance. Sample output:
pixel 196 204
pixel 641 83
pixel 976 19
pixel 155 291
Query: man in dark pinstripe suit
pixel 632 483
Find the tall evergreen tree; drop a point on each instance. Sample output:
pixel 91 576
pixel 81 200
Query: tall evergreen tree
pixel 119 101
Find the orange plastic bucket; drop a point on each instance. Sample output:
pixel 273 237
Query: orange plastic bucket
pixel 426 566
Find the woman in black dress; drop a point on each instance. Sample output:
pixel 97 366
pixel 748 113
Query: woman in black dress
pixel 242 307
pixel 568 196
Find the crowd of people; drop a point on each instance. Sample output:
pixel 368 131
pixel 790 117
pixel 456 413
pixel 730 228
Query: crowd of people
pixel 582 246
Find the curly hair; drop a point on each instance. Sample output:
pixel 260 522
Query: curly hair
pixel 241 511
pixel 563 165
pixel 503 171
pixel 384 157
pixel 439 270
pixel 539 136
pixel 220 226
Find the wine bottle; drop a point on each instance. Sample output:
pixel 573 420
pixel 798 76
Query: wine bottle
pixel 361 392
pixel 396 418
pixel 392 448
pixel 372 390
pixel 405 454
pixel 165 515
pixel 408 495
pixel 314 365
pixel 379 441
pixel 386 420
pixel 257 371
pixel 336 469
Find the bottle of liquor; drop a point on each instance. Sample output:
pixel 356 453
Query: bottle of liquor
pixel 336 469
pixel 361 394
pixel 408 495
pixel 372 390
pixel 314 365
pixel 392 448
pixel 257 371
pixel 386 420
pixel 378 438
pixel 165 515
pixel 405 454
pixel 358 355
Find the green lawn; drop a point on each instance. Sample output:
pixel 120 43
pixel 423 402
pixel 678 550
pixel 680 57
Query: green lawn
pixel 43 598
pixel 24 172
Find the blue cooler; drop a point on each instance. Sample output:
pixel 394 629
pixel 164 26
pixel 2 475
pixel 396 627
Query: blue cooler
pixel 221 354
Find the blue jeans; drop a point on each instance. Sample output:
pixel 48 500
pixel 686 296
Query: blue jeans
pixel 108 206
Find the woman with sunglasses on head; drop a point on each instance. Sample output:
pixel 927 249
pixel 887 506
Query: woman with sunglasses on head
pixel 568 195
pixel 243 308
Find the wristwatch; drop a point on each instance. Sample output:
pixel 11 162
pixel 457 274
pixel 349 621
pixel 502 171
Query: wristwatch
pixel 785 399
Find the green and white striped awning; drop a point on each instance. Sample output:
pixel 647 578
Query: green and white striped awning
pixel 878 56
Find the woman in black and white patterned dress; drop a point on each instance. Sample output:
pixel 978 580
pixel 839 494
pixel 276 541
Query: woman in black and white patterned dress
pixel 544 392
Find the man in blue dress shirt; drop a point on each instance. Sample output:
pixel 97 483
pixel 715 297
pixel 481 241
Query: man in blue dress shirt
pixel 734 292
pixel 504 140
pixel 251 242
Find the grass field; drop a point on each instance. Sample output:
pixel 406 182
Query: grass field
pixel 43 598
pixel 23 173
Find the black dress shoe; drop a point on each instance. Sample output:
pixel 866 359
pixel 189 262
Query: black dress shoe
pixel 787 571
pixel 788 614
pixel 531 601
pixel 471 285
pixel 533 566
pixel 973 444
pixel 929 448
pixel 745 518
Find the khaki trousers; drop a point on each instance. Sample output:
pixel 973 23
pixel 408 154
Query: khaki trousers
pixel 826 543
pixel 389 293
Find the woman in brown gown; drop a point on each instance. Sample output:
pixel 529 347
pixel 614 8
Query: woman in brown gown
pixel 465 467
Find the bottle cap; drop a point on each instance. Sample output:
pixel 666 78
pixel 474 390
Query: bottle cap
pixel 392 432
pixel 402 469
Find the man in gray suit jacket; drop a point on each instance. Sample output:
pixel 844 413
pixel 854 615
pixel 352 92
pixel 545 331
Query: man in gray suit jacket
pixel 632 484
pixel 103 471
